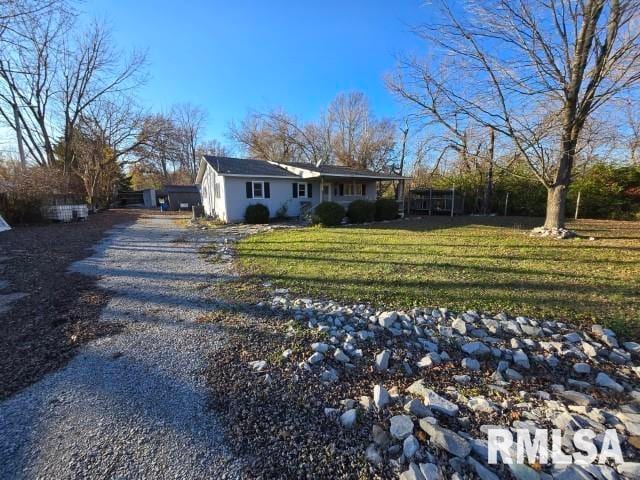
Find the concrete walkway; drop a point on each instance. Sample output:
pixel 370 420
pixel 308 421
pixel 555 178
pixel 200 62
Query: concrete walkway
pixel 132 405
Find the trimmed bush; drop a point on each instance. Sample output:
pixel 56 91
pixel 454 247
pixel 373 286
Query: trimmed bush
pixel 386 209
pixel 361 211
pixel 328 214
pixel 256 213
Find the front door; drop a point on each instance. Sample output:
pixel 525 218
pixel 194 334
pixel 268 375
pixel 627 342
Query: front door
pixel 326 192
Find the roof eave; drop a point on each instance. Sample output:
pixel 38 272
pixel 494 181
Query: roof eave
pixel 246 175
pixel 371 177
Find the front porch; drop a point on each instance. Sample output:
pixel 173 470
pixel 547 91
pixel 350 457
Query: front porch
pixel 344 190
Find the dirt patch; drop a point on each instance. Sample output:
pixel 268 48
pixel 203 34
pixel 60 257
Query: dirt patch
pixel 41 331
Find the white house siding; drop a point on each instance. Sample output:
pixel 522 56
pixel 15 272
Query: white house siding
pixel 233 201
pixel 214 207
pixel 281 193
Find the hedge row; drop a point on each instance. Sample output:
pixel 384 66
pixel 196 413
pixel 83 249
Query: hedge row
pixel 331 214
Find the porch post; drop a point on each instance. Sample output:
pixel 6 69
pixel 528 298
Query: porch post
pixel 402 198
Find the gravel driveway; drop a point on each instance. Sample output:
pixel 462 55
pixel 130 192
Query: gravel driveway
pixel 132 405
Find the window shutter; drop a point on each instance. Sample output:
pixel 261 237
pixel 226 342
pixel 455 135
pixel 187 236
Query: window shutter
pixel 267 190
pixel 249 190
pixel 295 190
pixel 342 189
pixel 364 189
pixel 309 192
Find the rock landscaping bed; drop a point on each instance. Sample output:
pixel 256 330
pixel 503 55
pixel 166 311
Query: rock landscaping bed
pixel 318 389
pixel 51 311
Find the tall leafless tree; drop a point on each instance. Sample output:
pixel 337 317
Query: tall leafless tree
pixel 50 75
pixel 346 134
pixel 533 70
pixel 92 70
pixel 190 121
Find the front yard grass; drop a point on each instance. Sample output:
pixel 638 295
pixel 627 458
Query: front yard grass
pixel 490 264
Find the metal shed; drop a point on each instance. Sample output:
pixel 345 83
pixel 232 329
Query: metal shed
pixel 432 201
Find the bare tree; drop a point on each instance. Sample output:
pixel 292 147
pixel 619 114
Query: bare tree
pixel 213 147
pixel 346 134
pixel 190 121
pixel 271 136
pixel 633 135
pixel 161 149
pixel 106 136
pixel 49 77
pixel 92 70
pixel 359 139
pixel 532 70
pixel 29 62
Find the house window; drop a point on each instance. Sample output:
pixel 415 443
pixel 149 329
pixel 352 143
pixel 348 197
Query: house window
pixel 216 190
pixel 258 189
pixel 352 189
pixel 302 190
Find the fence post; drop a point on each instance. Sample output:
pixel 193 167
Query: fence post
pixel 506 204
pixel 577 205
pixel 453 198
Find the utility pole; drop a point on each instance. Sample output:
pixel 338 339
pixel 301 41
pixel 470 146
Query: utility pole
pixel 577 205
pixel 16 115
pixel 506 204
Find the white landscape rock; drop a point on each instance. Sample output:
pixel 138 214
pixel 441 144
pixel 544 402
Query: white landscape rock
pixel 317 357
pixel 401 426
pixel 476 349
pixel 319 347
pixel 381 396
pixel 523 349
pixel 386 319
pixel 480 404
pixel 340 356
pixel 460 326
pixel 348 418
pixel 520 358
pixel 430 471
pixel 470 364
pixel 410 446
pixel 439 404
pixel 632 347
pixel 417 408
pixel 483 472
pixel 604 380
pixel 582 368
pixel 429 360
pixel 446 439
pixel 413 473
pixel 382 360
pixel 258 365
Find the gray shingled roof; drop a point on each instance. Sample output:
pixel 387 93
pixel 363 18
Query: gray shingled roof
pixel 340 170
pixel 245 166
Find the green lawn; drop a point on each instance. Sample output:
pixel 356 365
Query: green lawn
pixel 466 262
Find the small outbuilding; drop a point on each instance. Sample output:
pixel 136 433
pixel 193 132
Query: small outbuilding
pixel 432 201
pixel 179 197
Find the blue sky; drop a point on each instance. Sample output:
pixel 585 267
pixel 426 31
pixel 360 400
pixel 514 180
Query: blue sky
pixel 232 56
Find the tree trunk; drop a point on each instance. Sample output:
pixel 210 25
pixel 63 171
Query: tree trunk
pixel 557 192
pixel 556 202
pixel 488 188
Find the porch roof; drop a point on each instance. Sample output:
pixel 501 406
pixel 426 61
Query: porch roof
pixel 309 170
